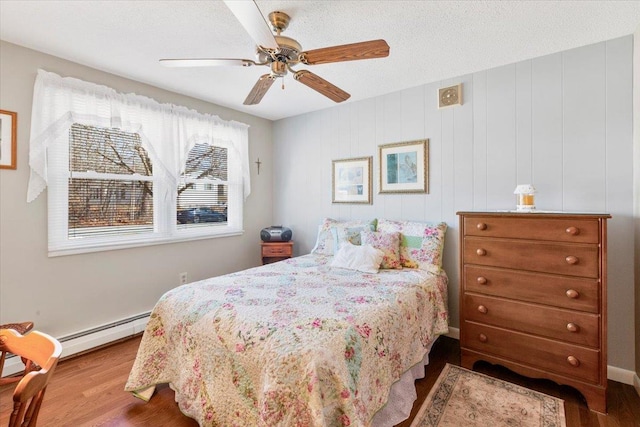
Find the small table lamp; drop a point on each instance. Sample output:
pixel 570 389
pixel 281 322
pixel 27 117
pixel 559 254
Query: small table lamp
pixel 524 194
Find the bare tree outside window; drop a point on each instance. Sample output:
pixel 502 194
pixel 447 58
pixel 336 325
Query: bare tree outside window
pixel 110 184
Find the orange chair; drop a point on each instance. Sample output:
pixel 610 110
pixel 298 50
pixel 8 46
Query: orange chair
pixel 21 328
pixel 44 351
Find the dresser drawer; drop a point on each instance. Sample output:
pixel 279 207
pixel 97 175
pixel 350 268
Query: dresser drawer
pixel 573 260
pixel 277 250
pixel 561 358
pixel 558 230
pixel 559 291
pixel 570 326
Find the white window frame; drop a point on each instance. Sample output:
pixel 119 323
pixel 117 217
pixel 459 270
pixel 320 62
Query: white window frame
pixel 165 229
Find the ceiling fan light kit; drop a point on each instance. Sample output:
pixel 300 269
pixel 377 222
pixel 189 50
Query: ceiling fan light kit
pixel 281 53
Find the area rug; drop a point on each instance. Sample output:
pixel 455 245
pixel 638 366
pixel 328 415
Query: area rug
pixel 465 398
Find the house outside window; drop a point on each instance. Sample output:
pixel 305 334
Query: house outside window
pixel 202 191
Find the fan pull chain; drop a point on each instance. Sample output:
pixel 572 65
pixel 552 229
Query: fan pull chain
pixel 282 82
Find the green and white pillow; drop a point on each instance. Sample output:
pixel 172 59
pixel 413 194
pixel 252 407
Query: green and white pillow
pixel 421 243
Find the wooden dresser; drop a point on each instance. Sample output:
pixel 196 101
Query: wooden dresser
pixel 276 251
pixel 534 296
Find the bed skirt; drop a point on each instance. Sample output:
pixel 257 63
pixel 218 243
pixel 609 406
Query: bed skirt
pixel 402 395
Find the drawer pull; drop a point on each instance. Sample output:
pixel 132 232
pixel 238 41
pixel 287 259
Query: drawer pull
pixel 482 338
pixel 481 252
pixel 574 231
pixel 572 327
pixel 482 309
pixel 481 226
pixel 573 361
pixel 481 280
pixel 572 260
pixel 572 293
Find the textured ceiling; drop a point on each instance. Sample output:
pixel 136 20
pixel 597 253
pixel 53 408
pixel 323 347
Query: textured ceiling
pixel 429 40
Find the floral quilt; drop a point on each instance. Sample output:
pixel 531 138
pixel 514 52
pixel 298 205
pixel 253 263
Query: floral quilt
pixel 295 343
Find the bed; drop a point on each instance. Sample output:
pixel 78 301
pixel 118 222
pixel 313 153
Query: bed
pixel 301 342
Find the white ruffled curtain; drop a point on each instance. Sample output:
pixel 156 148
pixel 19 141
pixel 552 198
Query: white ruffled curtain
pixel 167 131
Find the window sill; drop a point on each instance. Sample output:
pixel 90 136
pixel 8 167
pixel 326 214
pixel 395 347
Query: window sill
pixel 112 246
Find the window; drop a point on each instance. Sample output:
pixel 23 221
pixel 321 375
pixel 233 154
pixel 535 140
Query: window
pixel 110 183
pixel 202 192
pixel 124 170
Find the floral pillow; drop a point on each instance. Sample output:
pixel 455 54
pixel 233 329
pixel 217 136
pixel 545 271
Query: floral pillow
pixel 421 243
pixel 333 233
pixel 350 232
pixel 324 241
pixel 388 243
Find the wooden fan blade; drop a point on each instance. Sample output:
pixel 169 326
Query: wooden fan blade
pixel 259 89
pixel 319 84
pixel 346 52
pixel 253 21
pixel 206 62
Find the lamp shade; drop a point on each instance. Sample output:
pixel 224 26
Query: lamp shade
pixel 524 189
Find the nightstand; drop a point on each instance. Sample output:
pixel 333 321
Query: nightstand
pixel 276 251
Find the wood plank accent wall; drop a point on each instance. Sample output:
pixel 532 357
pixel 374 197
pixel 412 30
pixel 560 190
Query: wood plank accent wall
pixel 562 122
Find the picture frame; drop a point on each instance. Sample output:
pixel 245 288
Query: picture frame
pixel 352 180
pixel 404 167
pixel 8 139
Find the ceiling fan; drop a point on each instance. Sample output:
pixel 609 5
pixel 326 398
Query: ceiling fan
pixel 281 53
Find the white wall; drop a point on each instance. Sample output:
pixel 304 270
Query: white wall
pixel 562 122
pixel 65 295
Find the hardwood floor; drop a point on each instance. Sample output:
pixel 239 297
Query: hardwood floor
pixel 88 391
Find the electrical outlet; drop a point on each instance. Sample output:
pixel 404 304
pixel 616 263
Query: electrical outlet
pixel 183 278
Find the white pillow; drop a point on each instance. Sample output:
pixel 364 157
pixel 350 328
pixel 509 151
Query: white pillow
pixel 363 258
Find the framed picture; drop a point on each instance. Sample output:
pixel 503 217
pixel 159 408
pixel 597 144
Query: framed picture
pixel 351 180
pixel 8 144
pixel 404 167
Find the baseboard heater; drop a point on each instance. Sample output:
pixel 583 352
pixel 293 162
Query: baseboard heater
pixel 88 339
